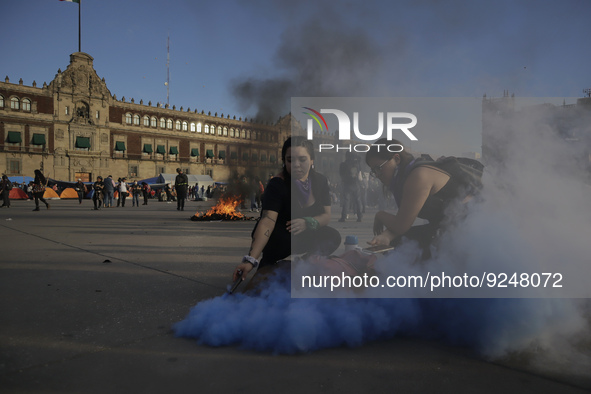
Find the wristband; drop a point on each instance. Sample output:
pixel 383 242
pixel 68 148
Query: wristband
pixel 251 260
pixel 311 223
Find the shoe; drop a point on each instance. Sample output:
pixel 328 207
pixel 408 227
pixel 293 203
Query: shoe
pixel 47 206
pixel 36 209
pixel 359 219
pixel 342 220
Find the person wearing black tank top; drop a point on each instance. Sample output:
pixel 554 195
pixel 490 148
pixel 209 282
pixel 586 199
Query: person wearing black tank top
pixel 422 189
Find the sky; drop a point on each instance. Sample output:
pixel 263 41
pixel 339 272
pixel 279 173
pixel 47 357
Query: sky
pixel 248 58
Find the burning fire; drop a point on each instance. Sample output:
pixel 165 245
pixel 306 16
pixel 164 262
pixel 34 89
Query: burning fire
pixel 225 209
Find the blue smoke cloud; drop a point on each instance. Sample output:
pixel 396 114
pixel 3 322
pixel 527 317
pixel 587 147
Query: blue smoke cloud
pixel 272 321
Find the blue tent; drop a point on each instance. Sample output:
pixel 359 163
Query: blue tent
pixel 149 181
pixel 21 179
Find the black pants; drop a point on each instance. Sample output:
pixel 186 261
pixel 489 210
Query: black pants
pixel 351 197
pixel 97 200
pixel 424 234
pixel 122 197
pixel 39 196
pixel 181 196
pixel 322 241
pixel 80 196
pixel 6 198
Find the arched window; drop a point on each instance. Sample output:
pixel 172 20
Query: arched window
pixel 147 121
pixel 15 103
pixel 231 132
pixel 178 124
pixel 225 131
pixel 192 127
pixel 247 134
pixel 1 101
pixel 162 123
pixel 153 121
pixel 199 127
pixel 206 129
pixel 243 133
pixel 169 124
pixel 27 105
pixel 136 120
pixel 128 118
pixel 219 130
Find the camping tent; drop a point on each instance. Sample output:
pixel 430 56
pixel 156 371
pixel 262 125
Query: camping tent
pixel 69 193
pixel 21 179
pixel 51 194
pixel 149 181
pixel 17 194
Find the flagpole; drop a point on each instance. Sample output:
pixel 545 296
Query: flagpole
pixel 79 35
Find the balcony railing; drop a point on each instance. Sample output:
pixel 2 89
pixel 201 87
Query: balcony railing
pixel 23 149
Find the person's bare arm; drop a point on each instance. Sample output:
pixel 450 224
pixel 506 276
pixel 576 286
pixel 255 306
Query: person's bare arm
pixel 421 183
pixel 259 241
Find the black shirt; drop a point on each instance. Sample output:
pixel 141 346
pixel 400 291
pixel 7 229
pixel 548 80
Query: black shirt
pixel 277 198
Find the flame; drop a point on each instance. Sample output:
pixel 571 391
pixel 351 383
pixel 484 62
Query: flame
pixel 224 209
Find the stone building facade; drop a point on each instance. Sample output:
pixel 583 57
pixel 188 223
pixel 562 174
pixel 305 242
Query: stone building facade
pixel 75 128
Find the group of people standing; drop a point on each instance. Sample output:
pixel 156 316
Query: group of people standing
pixel 104 192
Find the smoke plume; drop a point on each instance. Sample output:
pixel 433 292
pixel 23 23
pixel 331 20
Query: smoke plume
pixel 315 59
pixel 534 215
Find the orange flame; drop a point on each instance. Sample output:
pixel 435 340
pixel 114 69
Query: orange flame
pixel 225 208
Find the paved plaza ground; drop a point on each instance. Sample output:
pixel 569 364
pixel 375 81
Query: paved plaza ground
pixel 88 298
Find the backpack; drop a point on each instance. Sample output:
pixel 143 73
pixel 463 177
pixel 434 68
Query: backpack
pixel 466 173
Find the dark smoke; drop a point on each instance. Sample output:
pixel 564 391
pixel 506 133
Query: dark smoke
pixel 316 59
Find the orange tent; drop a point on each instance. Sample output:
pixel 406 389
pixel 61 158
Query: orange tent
pixel 50 193
pixel 69 193
pixel 18 194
